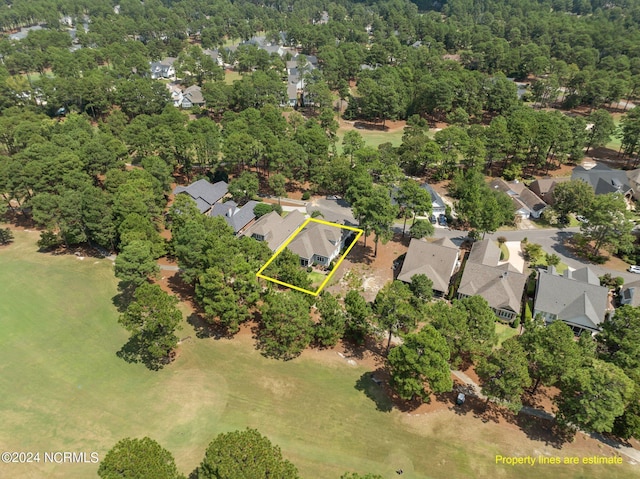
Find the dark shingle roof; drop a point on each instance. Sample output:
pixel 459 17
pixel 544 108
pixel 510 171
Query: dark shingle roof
pixel 235 216
pixel 603 179
pixel 204 193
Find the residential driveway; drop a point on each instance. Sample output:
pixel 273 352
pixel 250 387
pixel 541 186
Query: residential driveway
pixel 338 211
pixel 516 258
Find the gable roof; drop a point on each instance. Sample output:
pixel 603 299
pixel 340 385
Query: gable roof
pixel 521 197
pixel 194 95
pixel 436 199
pixel 274 228
pixel 316 238
pixel 571 298
pixel 544 187
pixel 204 193
pixel 436 260
pixel 603 179
pixel 500 285
pixel 235 216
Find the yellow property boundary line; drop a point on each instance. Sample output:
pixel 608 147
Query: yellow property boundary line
pixel 291 238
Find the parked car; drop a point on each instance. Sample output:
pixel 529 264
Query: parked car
pixel 460 399
pixel 634 269
pixel 442 220
pixel 433 219
pixel 581 219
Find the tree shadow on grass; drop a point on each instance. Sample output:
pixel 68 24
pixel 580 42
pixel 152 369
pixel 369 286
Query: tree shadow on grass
pixel 133 352
pixel 372 385
pixel 205 329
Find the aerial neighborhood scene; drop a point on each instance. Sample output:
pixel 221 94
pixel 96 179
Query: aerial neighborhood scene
pixel 319 239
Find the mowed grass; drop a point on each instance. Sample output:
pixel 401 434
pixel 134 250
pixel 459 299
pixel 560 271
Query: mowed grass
pixel 64 389
pixel 373 138
pixel 504 332
pixel 230 76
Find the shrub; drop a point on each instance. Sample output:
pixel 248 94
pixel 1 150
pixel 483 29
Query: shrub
pixel 262 209
pixel 48 240
pixel 306 195
pixel 502 240
pixel 316 213
pixel 277 209
pixel 309 269
pixel 6 236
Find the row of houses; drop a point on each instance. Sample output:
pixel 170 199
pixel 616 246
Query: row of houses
pixel 574 297
pixel 530 202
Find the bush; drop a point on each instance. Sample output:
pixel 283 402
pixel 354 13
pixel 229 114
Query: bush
pixel 306 195
pixel 316 213
pixel 262 209
pixel 48 240
pixel 309 269
pixel 502 240
pixel 277 209
pixel 6 236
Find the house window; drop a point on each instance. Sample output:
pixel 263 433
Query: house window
pixel 258 237
pixel 320 259
pixel 304 262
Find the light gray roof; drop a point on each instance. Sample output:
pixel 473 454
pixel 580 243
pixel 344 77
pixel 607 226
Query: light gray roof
pixel 571 299
pixel 316 238
pixel 194 94
pixel 235 216
pixel 204 193
pixel 500 286
pixel 603 179
pixel 436 260
pixel 436 199
pixel 485 252
pixel 274 228
pixel 630 294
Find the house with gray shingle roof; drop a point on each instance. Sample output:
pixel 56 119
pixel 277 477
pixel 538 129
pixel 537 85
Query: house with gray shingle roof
pixel 204 193
pixel 603 179
pixel 501 285
pixel 318 243
pixel 525 202
pixel 630 294
pixel 192 96
pixel 543 188
pixel 237 217
pixel 437 260
pixel 574 297
pixel 163 68
pixel 275 229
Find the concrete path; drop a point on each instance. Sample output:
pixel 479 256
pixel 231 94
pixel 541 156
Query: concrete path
pixel 516 258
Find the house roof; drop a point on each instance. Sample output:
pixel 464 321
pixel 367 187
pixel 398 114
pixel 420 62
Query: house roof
pixel 436 260
pixel 634 175
pixel 274 228
pixel 194 94
pixel 603 179
pixel 500 286
pixel 436 199
pixel 544 187
pixel 204 193
pixel 630 294
pixel 235 216
pixel 484 252
pixel 571 298
pixel 316 238
pixel 522 198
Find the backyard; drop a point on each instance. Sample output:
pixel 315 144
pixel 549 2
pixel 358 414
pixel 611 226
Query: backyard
pixel 64 389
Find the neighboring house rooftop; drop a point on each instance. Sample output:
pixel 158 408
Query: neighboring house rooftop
pixel 575 297
pixel 437 202
pixel 194 95
pixel 436 260
pixel 525 201
pixel 316 238
pixel 544 187
pixel 204 193
pixel 275 229
pixel 630 294
pixel 603 179
pixel 235 216
pixel 501 286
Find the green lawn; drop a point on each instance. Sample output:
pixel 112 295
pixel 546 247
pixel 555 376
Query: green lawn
pixel 231 76
pixel 316 278
pixel 504 332
pixel 64 389
pixel 373 138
